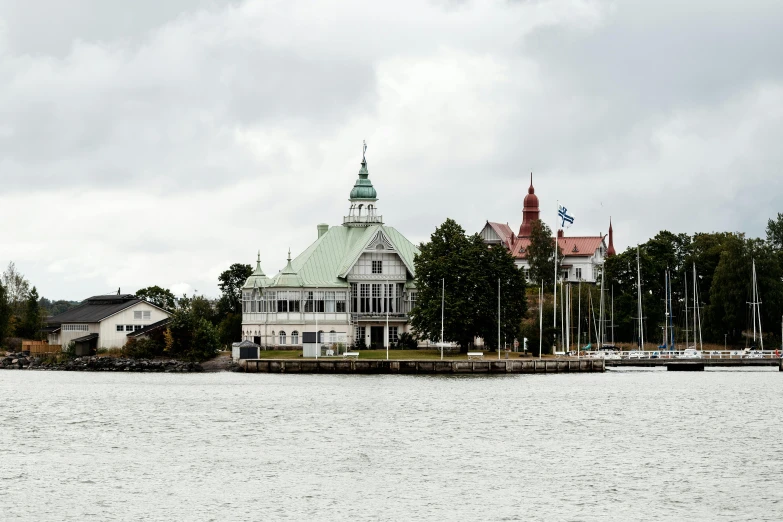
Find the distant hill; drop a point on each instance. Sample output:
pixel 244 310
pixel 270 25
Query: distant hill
pixel 51 308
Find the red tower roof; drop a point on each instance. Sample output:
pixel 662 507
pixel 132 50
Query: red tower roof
pixel 610 249
pixel 530 210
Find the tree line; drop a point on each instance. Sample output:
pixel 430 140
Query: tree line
pixel 723 264
pixel 468 270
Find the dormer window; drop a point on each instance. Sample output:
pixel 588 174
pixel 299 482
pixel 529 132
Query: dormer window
pixel 521 250
pixel 574 249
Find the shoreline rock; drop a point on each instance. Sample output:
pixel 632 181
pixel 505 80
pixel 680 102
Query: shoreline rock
pixel 18 361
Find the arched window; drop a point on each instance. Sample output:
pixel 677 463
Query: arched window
pixel 370 210
pixel 321 336
pixel 332 336
pixel 295 337
pixel 360 208
pixel 282 337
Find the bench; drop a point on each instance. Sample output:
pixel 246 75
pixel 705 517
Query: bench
pixel 475 355
pixel 351 355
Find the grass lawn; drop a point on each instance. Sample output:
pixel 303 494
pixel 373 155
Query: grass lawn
pixel 393 354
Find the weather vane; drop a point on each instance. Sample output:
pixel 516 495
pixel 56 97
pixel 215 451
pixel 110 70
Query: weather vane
pixel 364 149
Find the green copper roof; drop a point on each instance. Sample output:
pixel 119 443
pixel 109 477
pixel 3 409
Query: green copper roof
pixel 257 279
pixel 288 277
pixel 363 188
pixel 327 261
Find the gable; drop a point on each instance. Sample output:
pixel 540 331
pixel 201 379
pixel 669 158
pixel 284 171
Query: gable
pixel 489 235
pixel 391 263
pixel 382 239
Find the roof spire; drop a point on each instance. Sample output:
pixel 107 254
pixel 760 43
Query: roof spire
pixel 610 249
pixel 289 254
pixel 258 261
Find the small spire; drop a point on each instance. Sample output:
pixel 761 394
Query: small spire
pixel 610 251
pixel 289 254
pixel 364 149
pixel 258 261
pixel 530 189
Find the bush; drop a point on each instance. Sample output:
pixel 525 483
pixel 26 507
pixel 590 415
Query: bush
pixel 142 349
pixel 191 337
pixel 406 341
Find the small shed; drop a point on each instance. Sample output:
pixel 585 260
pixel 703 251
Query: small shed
pixel 244 350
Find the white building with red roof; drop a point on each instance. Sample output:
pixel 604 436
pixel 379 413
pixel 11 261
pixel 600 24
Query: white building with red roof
pixel 583 255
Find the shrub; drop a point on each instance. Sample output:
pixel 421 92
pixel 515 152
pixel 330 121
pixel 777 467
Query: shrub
pixel 406 341
pixel 142 349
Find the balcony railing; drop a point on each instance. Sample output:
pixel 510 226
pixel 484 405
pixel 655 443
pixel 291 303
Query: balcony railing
pixel 363 220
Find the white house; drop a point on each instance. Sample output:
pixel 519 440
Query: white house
pixel 102 321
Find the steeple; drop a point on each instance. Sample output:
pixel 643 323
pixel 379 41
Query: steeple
pixel 257 278
pixel 363 211
pixel 288 277
pixel 610 249
pixel 530 211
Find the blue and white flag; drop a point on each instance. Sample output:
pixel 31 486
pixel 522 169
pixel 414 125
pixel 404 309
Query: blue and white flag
pixel 562 212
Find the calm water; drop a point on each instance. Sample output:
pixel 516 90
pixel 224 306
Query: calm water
pixel 625 445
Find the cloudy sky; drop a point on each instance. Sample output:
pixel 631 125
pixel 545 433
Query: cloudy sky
pixel 146 142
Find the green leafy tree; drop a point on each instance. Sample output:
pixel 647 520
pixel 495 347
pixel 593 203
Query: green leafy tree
pixel 732 290
pixel 469 270
pixel 229 306
pixel 191 337
pixel 33 320
pixel 230 283
pixel 160 297
pixel 775 231
pixel 5 315
pixel 17 288
pixel 541 254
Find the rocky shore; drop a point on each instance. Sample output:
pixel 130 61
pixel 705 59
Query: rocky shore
pixel 98 364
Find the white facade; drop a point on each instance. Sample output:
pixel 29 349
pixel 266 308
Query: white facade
pixel 108 329
pixel 134 318
pixel 352 281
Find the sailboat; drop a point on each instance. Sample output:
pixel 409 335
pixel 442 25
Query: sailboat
pixel 755 306
pixel 639 295
pixel 690 351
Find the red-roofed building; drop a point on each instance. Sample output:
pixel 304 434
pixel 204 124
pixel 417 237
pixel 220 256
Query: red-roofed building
pixel 583 255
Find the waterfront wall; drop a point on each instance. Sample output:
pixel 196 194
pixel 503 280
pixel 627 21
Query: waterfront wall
pixel 374 366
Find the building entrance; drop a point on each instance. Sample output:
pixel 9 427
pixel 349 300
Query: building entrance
pixel 376 337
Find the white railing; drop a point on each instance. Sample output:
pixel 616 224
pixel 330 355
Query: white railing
pixel 362 219
pixel 680 354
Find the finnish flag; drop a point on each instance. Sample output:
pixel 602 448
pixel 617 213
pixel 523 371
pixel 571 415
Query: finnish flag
pixel 562 212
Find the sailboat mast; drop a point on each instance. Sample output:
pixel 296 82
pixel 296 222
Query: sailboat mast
pixel 601 325
pixel 758 305
pixel 568 318
pixel 579 320
pixel 541 319
pixel 639 294
pixel 753 299
pixel 612 315
pixel 671 312
pixel 686 308
pixel 666 309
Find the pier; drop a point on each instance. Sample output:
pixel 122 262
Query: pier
pixel 706 362
pixel 381 366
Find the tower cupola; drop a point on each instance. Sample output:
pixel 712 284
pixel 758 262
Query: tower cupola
pixel 363 211
pixel 530 210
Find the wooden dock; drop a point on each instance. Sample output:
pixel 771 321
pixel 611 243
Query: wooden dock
pixel 707 362
pixel 381 366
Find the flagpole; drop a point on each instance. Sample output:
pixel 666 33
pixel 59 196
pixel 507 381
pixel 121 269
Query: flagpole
pixel 554 290
pixel 541 319
pixel 442 304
